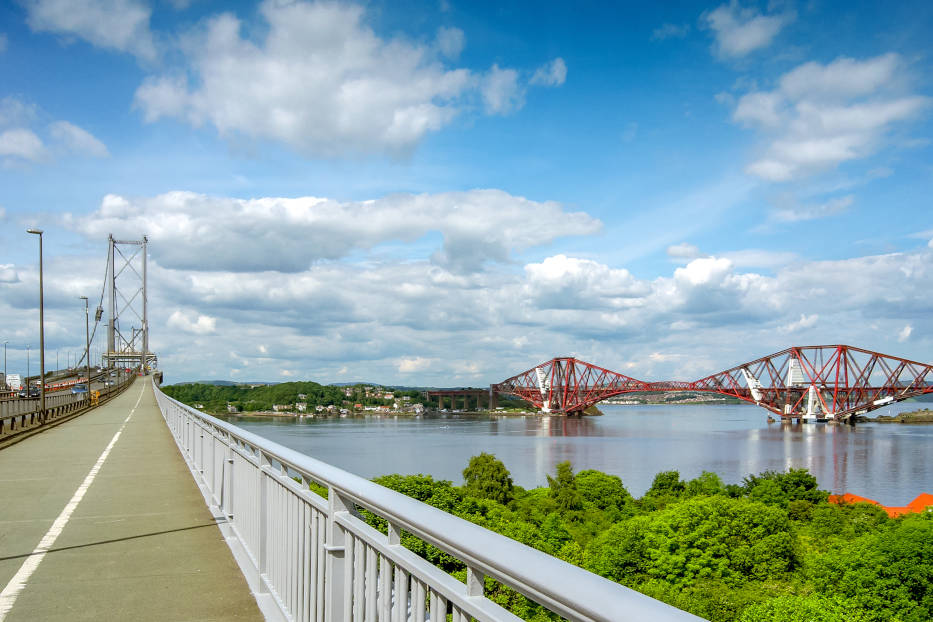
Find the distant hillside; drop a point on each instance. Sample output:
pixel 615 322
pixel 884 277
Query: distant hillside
pixel 397 387
pixel 216 396
pixel 226 383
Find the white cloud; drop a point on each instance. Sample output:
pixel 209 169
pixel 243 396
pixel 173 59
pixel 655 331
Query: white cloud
pixel 796 213
pixel 289 234
pixel 413 364
pixel 683 251
pixel 192 323
pixel 805 321
pixel 8 271
pixel 821 116
pixel 670 31
pixel 366 315
pixel 450 42
pixel 77 140
pixel 16 112
pixel 320 80
pixel 501 91
pixel 739 31
pixel 553 73
pixel 759 108
pixel 562 282
pixel 905 333
pixel 22 144
pixel 843 78
pixel 121 25
pixel 760 258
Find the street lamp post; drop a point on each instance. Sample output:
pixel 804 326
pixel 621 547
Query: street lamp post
pixel 41 330
pixel 6 382
pixel 27 369
pixel 87 348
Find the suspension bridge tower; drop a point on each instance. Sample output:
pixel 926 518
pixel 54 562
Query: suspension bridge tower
pixel 128 326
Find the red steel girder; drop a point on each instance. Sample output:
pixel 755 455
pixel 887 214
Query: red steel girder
pixel 568 385
pixel 845 380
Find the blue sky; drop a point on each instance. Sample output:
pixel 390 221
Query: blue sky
pixel 448 193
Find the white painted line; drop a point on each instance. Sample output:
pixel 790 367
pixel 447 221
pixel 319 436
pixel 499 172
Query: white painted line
pixel 18 582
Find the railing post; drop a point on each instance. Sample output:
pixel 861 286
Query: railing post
pixel 335 563
pixel 474 582
pixel 263 544
pixel 227 495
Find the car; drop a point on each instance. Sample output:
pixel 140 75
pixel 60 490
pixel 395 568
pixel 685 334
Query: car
pixel 79 388
pixel 30 392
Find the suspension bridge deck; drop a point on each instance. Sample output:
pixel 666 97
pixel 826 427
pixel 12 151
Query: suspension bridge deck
pixel 139 544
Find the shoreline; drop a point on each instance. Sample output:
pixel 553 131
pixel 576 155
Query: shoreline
pixel 923 415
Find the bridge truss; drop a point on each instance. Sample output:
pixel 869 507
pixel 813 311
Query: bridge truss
pixel 568 385
pixel 802 382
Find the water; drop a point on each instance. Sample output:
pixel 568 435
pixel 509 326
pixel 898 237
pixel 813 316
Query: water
pixel 891 463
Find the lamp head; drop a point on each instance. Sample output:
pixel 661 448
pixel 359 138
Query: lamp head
pixel 36 231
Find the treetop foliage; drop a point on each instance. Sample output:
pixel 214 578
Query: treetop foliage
pixel 770 549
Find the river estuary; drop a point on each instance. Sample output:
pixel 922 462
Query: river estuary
pixel 891 463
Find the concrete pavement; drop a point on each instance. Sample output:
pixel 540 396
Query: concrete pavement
pixel 140 544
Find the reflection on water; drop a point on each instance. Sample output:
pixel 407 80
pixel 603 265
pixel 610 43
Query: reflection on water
pixel 887 462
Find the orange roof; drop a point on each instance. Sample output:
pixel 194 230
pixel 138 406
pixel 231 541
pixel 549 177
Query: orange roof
pixel 848 497
pixel 922 502
pixel 919 504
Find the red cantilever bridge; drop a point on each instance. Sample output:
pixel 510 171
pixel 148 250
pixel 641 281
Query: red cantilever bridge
pixel 803 382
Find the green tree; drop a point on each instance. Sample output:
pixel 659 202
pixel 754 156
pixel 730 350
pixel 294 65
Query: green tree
pixel 706 483
pixel 809 608
pixel 602 490
pixel 564 488
pixel 886 573
pixel 487 478
pixel 702 538
pixel 782 488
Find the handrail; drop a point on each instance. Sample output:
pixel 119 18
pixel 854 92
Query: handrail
pixel 22 415
pixel 364 570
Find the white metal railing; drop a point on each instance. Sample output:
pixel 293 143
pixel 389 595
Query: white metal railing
pixel 318 560
pixel 17 414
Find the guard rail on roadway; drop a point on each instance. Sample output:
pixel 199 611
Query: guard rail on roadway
pixel 318 560
pixel 21 414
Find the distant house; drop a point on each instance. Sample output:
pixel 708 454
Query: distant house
pixel 357 407
pixel 232 409
pixel 281 407
pixel 302 406
pixel 388 396
pixel 319 408
pixel 302 396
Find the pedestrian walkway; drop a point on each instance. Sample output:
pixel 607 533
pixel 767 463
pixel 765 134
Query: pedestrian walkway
pixel 100 519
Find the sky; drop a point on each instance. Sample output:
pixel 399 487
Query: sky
pixel 449 193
